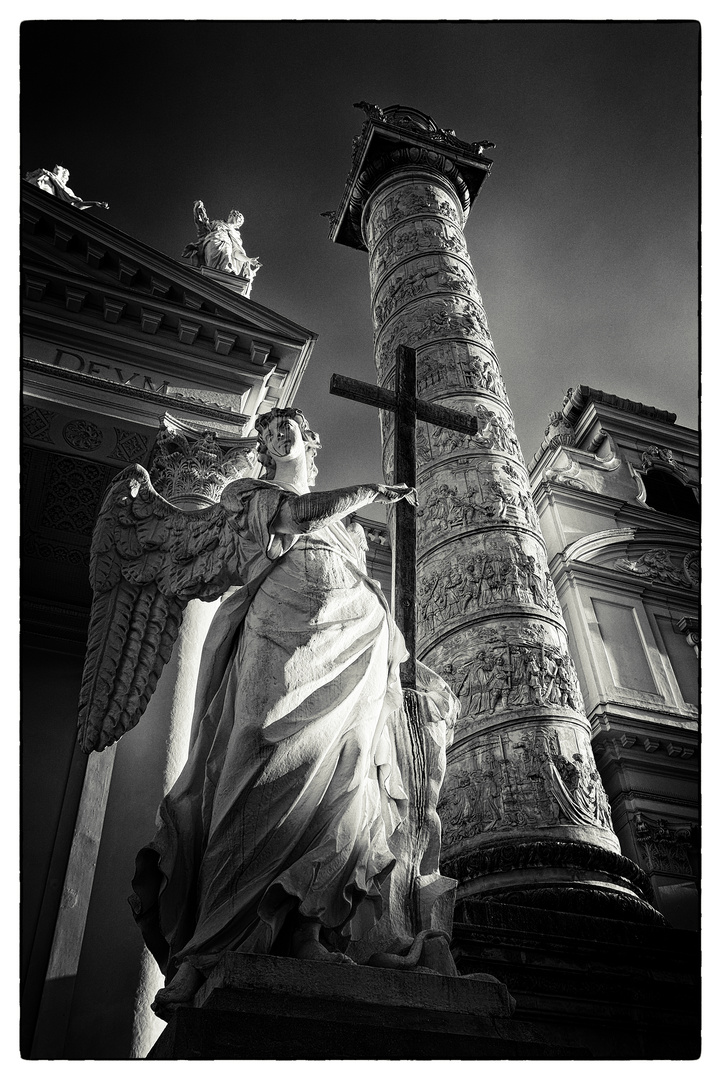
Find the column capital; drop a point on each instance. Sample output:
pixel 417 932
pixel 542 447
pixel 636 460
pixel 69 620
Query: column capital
pixel 398 137
pixel 191 465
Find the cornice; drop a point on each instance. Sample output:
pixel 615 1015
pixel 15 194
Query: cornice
pixel 564 571
pixel 161 403
pixel 396 138
pixel 637 514
pixel 54 229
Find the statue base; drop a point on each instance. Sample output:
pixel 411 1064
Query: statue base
pixel 239 285
pixel 274 1008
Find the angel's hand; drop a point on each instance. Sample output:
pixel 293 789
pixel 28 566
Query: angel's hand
pixel 392 493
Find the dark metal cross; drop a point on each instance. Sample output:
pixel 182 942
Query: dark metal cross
pixel 408 409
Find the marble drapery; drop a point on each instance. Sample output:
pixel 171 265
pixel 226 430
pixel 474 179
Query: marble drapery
pixel 293 796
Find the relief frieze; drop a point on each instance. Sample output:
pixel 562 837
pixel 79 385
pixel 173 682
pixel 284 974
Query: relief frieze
pixel 417 236
pixel 413 200
pixel 541 777
pixel 431 274
pixel 498 667
pixel 489 573
pixel 431 320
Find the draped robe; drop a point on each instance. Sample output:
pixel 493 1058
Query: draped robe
pixel 292 791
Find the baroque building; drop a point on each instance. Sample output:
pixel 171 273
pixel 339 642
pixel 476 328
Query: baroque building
pixel 128 356
pixel 615 484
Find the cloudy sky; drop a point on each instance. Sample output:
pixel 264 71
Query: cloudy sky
pixel 584 238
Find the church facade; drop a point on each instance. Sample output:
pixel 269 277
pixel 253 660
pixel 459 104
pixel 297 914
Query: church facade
pixel 128 356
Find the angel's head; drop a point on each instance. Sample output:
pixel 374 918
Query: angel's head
pixel 283 433
pixel 235 218
pixel 61 173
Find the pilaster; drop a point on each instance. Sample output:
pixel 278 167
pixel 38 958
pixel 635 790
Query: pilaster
pixel 99 987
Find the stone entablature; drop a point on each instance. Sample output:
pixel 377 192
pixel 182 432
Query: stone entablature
pixel 133 301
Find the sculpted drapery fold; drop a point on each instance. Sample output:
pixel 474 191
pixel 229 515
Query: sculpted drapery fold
pixel 304 821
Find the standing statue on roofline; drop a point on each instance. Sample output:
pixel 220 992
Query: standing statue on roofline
pixel 304 822
pixel 219 245
pixel 56 183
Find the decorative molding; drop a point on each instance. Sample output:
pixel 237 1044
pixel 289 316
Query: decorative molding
pixel 83 435
pixel 691 629
pixel 560 431
pixel 568 854
pixel 578 397
pixel 666 848
pixel 658 455
pixel 130 446
pixel 72 491
pixel 656 565
pixel 36 423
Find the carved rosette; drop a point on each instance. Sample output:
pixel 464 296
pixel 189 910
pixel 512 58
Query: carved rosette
pixel 488 615
pixel 193 466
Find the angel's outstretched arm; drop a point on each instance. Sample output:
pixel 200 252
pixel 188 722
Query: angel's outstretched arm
pixel 304 513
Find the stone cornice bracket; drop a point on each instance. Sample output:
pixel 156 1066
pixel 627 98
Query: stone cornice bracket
pixel 399 137
pixel 192 464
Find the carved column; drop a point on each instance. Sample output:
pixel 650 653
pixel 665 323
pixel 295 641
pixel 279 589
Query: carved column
pixel 117 977
pixel 524 813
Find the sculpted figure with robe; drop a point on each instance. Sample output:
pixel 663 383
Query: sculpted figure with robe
pixel 219 245
pixel 291 828
pixel 56 183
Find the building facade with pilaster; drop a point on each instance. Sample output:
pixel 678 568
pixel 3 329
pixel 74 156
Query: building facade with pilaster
pixel 128 356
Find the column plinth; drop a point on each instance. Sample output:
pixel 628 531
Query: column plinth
pixel 525 817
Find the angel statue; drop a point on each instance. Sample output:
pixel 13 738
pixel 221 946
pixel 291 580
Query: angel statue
pixel 56 183
pixel 291 828
pixel 219 245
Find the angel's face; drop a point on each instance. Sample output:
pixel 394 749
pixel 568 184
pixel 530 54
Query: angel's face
pixel 284 439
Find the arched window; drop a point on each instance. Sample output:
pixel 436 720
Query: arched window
pixel 667 494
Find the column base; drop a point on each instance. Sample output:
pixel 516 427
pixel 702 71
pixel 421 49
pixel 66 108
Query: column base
pixel 556 875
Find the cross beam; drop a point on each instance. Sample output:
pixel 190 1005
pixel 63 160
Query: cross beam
pixel 408 410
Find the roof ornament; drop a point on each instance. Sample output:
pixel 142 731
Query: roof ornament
pixel 219 246
pixel 56 183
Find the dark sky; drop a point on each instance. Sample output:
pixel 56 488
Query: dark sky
pixel 584 238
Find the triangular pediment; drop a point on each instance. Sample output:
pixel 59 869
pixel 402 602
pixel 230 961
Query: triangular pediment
pixel 81 248
pixel 87 285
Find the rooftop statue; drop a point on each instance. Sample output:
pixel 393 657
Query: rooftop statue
pixel 219 245
pixel 290 829
pixel 56 183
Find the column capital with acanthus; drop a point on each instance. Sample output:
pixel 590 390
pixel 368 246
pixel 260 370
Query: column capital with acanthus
pixel 191 465
pixel 398 136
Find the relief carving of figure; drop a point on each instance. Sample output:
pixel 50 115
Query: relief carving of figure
pixel 285 827
pixel 499 685
pixel 219 245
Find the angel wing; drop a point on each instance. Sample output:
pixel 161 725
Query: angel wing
pixel 147 560
pixel 200 216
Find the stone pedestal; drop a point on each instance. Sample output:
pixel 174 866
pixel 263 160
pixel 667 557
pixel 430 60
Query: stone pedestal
pixel 271 1007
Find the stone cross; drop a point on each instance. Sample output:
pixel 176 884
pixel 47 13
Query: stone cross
pixel 408 409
